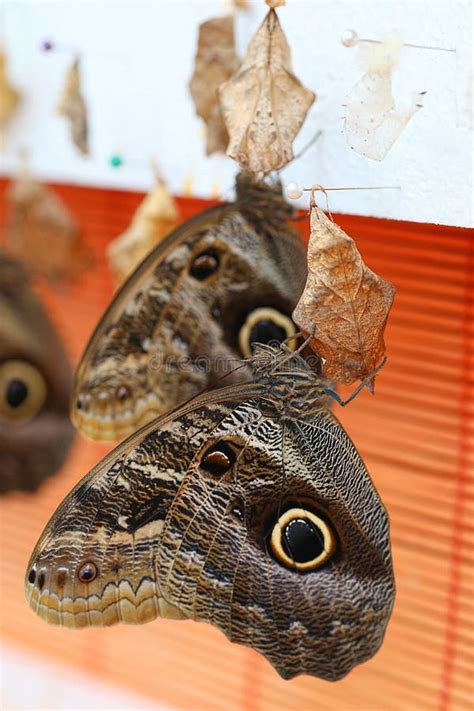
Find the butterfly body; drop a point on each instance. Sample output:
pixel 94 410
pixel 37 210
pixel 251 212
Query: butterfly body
pixel 189 312
pixel 248 508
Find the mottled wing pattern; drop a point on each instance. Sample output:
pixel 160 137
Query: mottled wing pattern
pixel 322 622
pixel 250 509
pixel 175 328
pixel 95 563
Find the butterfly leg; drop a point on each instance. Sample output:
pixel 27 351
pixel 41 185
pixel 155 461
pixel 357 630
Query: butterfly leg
pixel 367 383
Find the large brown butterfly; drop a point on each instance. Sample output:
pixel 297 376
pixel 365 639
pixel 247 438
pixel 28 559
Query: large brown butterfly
pixel 35 386
pixel 223 280
pixel 249 508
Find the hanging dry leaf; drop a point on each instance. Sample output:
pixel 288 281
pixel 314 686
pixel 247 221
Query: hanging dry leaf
pixel 264 104
pixel 156 216
pixel 9 97
pixel 42 232
pixel 71 104
pixel 216 61
pixel 372 122
pixel 343 302
pixel 275 3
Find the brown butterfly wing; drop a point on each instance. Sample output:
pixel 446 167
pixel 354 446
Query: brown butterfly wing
pixel 95 563
pixel 215 561
pixel 174 329
pixel 35 431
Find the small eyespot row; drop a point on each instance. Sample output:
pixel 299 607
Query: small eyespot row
pixel 87 572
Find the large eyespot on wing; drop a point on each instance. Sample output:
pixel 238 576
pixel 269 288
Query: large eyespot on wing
pixel 266 325
pixel 317 603
pixel 302 540
pixel 23 391
pixel 95 563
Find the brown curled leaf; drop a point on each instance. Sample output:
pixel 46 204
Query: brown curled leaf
pixel 72 106
pixel 344 303
pixel 156 216
pixel 216 61
pixel 264 104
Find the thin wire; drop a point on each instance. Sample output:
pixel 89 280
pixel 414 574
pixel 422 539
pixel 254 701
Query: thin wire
pixel 319 188
pixel 408 44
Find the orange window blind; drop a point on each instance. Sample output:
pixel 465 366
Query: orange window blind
pixel 416 437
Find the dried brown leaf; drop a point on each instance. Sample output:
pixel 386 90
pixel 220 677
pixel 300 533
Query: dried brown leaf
pixel 216 61
pixel 71 104
pixel 264 104
pixel 343 302
pixel 156 216
pixel 42 232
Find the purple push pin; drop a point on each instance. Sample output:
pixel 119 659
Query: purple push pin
pixel 47 45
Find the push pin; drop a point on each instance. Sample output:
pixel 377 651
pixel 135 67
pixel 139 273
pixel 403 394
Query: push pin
pixel 350 38
pixel 49 45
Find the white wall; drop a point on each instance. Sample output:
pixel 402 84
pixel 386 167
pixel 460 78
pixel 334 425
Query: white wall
pixel 29 683
pixel 138 57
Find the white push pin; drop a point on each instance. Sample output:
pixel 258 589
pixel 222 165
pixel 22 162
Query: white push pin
pixel 294 191
pixel 350 38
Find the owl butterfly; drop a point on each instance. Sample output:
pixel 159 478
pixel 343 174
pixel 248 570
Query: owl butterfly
pixel 229 277
pixel 249 508
pixel 35 386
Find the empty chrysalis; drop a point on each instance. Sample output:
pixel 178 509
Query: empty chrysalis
pixel 264 104
pixel 344 306
pixel 72 106
pixel 156 216
pixel 216 61
pixel 373 122
pixel 9 97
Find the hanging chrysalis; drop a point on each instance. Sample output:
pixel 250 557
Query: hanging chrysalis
pixel 42 231
pixel 372 121
pixel 344 304
pixel 156 216
pixel 264 104
pixel 9 98
pixel 216 61
pixel 72 106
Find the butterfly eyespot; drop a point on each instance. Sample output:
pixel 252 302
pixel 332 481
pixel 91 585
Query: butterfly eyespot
pixel 218 459
pixel 265 325
pixel 301 540
pixel 87 572
pixel 32 576
pixel 23 391
pixel 83 402
pixel 205 265
pixel 122 393
pixel 41 580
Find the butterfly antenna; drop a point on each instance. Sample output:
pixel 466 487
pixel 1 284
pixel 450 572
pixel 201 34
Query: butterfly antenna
pixel 292 354
pixel 213 383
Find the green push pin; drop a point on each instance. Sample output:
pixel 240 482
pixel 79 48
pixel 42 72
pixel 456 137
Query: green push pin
pixel 116 160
